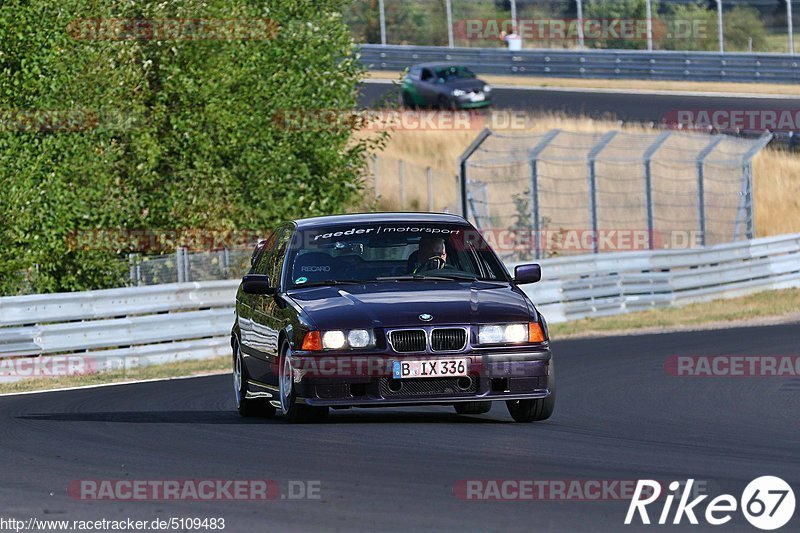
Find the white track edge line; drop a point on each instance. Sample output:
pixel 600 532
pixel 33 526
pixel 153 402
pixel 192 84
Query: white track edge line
pixel 98 385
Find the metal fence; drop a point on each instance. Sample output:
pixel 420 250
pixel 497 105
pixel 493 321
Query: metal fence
pixel 763 26
pixel 657 65
pixel 123 329
pixel 616 283
pixel 539 187
pixel 399 185
pixel 184 266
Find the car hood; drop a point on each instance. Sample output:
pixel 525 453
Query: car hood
pixel 400 304
pixel 467 84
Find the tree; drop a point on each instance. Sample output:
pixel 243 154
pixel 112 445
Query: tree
pixel 630 11
pixel 165 133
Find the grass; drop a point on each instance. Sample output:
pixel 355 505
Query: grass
pixel 763 305
pixel 643 85
pixel 168 370
pixel 776 172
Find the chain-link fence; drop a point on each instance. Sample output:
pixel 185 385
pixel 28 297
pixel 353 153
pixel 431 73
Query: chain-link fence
pixel 747 26
pixel 559 192
pixel 183 266
pixel 402 186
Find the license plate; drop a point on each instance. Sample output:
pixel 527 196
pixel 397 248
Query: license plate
pixel 429 368
pixel 477 97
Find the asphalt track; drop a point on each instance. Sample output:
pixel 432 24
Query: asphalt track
pixel 619 416
pixel 627 106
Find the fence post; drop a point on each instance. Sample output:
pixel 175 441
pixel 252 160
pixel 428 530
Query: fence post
pixel 462 168
pixel 790 26
pixel 429 172
pixel 648 183
pixel 132 268
pixel 607 138
pixel 536 219
pixel 375 174
pixel 701 192
pixel 746 207
pixel 382 17
pixel 179 264
pixel 186 265
pixel 449 9
pixel 401 170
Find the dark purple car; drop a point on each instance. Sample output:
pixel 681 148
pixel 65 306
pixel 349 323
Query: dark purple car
pixel 387 309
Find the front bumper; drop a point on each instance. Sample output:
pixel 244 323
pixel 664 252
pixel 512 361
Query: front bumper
pixel 367 380
pixel 465 103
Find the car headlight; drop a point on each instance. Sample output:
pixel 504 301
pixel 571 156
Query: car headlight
pixel 338 340
pixel 487 88
pixel 510 333
pixel 458 92
pixel 333 340
pixel 359 338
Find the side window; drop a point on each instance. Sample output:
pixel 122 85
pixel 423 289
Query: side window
pixel 259 250
pixel 427 75
pixel 265 257
pixel 277 258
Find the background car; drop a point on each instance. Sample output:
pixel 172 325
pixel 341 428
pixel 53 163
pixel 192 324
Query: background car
pixel 444 85
pixel 352 310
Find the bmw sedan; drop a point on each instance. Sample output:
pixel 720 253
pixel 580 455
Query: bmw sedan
pixel 387 309
pixel 445 86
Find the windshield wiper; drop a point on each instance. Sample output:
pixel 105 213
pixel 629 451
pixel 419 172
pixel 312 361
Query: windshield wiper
pixel 330 282
pixel 420 277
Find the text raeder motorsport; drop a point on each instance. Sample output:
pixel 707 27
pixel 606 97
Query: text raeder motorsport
pixel 388 229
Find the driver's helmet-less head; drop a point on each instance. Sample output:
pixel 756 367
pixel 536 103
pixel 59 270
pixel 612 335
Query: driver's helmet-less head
pixel 432 254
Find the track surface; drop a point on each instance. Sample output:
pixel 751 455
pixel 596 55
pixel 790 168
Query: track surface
pixel 621 106
pixel 619 416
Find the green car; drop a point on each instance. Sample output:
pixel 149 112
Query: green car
pixel 445 86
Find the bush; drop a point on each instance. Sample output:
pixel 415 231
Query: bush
pixel 164 134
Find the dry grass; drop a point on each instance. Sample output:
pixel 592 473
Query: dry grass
pixel 642 85
pixel 168 370
pixel 776 172
pixel 745 310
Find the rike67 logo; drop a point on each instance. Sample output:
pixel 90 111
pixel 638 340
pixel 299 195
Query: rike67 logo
pixel 767 503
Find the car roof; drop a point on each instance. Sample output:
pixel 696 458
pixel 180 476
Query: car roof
pixel 378 218
pixel 438 64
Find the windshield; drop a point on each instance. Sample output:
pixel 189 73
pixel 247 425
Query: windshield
pixel 454 73
pixel 359 253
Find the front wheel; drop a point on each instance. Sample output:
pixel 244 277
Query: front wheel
pixel 293 411
pixel 472 408
pixel 247 407
pixel 446 103
pixel 537 409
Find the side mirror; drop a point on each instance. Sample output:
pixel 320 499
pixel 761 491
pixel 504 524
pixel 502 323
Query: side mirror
pixel 257 284
pixel 527 274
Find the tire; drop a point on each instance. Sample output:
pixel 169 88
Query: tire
pixel 252 407
pixel 294 412
pixel 472 408
pixel 537 409
pixel 445 103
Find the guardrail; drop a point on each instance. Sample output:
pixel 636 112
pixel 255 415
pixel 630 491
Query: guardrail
pixel 634 64
pixel 115 329
pixel 615 283
pixel 139 326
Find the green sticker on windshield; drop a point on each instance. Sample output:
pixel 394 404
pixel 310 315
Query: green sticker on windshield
pixel 300 281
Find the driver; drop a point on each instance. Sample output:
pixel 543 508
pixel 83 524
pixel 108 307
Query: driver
pixel 431 255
